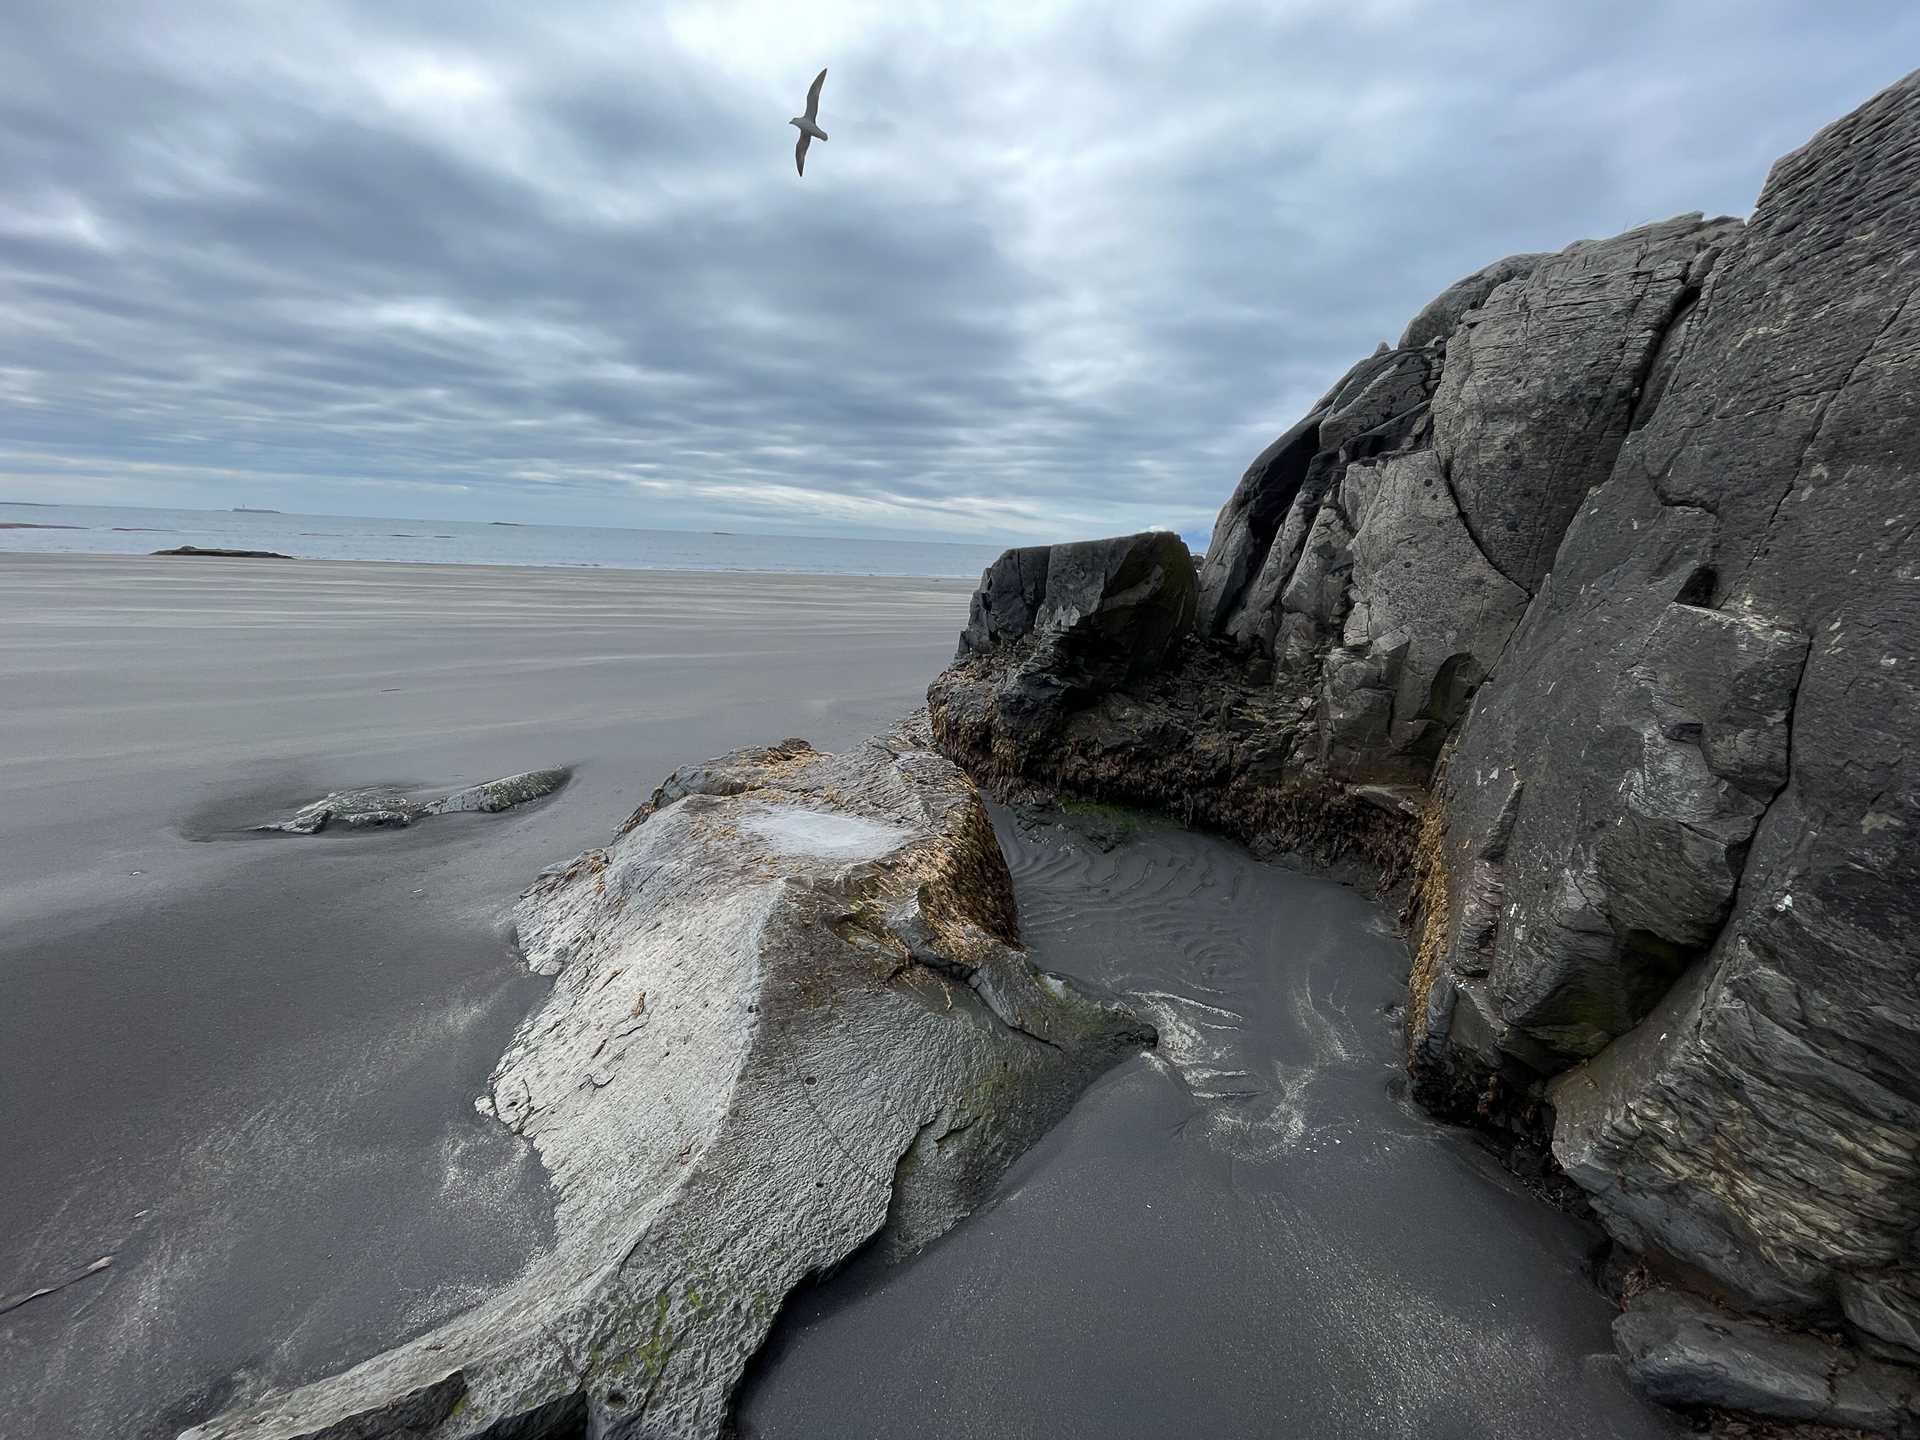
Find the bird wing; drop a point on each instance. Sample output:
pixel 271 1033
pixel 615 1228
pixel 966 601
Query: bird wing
pixel 813 96
pixel 800 153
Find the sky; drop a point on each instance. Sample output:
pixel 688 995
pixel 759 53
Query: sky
pixel 1061 270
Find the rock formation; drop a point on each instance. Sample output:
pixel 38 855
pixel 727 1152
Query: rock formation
pixel 1610 570
pixel 1066 694
pixel 790 1013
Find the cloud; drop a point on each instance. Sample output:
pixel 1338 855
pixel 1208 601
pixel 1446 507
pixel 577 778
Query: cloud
pixel 1061 270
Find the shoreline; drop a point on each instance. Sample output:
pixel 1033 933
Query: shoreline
pixel 7 555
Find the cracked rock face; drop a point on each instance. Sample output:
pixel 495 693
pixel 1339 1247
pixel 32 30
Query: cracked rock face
pixel 790 1013
pixel 1541 381
pixel 1678 872
pixel 1770 1125
pixel 1106 609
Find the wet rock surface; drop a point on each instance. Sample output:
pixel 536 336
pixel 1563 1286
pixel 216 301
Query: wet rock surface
pixel 1614 556
pixel 790 1013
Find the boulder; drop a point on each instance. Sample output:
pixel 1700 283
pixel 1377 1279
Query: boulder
pixel 1053 629
pixel 1110 607
pixel 1007 601
pixel 1113 608
pixel 790 1014
pixel 494 796
pixel 371 808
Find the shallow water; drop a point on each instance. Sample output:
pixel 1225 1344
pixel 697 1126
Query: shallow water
pixel 1243 1233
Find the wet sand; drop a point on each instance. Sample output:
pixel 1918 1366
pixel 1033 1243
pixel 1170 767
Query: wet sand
pixel 244 1066
pixel 1245 1234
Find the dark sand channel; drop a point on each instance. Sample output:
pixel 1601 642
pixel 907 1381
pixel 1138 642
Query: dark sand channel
pixel 244 1066
pixel 1245 1234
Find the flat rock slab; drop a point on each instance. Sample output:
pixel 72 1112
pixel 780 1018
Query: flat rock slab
pixel 1683 1350
pixel 790 1014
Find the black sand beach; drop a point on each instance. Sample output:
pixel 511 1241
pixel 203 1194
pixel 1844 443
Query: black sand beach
pixel 243 1066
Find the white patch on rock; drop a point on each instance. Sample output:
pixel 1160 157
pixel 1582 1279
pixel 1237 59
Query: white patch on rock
pixel 790 831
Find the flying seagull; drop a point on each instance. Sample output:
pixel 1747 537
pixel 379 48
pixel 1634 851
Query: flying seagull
pixel 808 130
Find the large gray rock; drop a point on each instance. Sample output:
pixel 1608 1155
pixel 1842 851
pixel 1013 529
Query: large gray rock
pixel 1110 608
pixel 493 796
pixel 1540 383
pixel 1053 629
pixel 790 1013
pixel 1631 561
pixel 1709 720
pixel 1007 601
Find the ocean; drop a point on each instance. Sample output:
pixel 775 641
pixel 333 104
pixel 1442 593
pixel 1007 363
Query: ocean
pixel 131 530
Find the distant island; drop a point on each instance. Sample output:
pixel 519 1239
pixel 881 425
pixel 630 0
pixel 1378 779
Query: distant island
pixel 225 554
pixel 252 510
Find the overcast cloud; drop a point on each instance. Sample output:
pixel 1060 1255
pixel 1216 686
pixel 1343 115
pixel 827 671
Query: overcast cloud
pixel 1057 273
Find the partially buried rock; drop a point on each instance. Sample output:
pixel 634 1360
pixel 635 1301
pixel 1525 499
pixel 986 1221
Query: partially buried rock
pixel 497 795
pixel 791 1015
pixel 380 807
pixel 369 809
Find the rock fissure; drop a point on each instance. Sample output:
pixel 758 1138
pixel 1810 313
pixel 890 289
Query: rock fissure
pixel 1466 525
